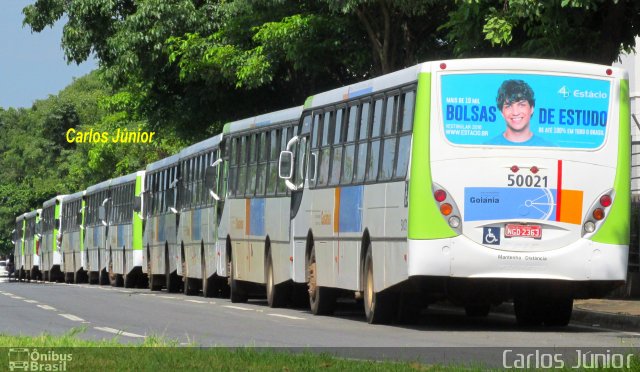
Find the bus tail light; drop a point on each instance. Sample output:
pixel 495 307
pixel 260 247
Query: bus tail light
pixel 597 213
pixel 448 208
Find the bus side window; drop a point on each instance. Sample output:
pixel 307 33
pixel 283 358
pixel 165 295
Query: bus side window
pixel 404 144
pixel 324 157
pixel 273 162
pixel 263 153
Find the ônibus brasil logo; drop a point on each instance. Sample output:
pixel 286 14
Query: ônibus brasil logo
pixel 25 359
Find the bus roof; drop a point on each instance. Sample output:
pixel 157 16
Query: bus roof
pixel 32 214
pixel 292 113
pixel 53 201
pixel 410 74
pixel 394 79
pixel 98 187
pixel 126 178
pixel 163 163
pixel 74 196
pixel 210 143
pixel 20 217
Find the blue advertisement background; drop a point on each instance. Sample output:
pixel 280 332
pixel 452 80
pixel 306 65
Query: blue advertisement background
pixel 569 112
pixel 505 203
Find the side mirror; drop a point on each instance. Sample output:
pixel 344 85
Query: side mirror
pixel 171 192
pixel 79 217
pixel 13 236
pixel 285 165
pixel 102 214
pixel 137 204
pixel 210 178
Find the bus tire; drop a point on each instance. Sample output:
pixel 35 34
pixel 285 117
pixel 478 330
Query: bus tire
pixel 103 277
pixel 477 310
pixel 276 294
pixel 190 284
pixel 154 283
pixel 237 293
pixel 558 312
pixel 528 311
pixel 322 300
pixel 378 307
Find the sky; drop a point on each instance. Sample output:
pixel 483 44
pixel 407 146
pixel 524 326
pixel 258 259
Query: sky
pixel 32 65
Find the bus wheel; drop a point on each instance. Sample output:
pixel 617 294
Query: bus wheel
pixel 276 294
pixel 377 305
pixel 103 277
pixel 190 284
pixel 558 312
pixel 528 311
pixel 322 300
pixel 479 310
pixel 237 293
pixel 116 280
pixel 154 284
pixel 171 277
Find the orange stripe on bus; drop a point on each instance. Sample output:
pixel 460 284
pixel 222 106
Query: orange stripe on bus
pixel 247 216
pixel 336 211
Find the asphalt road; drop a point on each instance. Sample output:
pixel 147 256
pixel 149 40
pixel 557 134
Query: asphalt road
pixel 133 314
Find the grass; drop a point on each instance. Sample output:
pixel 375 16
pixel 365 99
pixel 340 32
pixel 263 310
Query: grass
pixel 160 354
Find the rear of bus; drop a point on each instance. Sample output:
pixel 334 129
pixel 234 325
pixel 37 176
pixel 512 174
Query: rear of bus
pixel 542 220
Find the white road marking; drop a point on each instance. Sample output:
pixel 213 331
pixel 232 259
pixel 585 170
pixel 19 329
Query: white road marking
pixel 17 298
pixel 72 317
pixel 118 332
pixel 8 294
pixel 170 297
pixel 47 307
pixel 237 308
pixel 197 301
pixel 147 294
pixel 124 291
pixel 287 316
pixel 31 301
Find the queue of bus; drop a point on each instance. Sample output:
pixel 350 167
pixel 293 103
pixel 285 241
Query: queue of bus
pixel 393 191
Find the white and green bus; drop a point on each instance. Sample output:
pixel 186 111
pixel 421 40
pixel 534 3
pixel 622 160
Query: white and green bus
pixel 51 229
pixel 122 212
pixel 199 204
pixel 255 227
pixel 477 181
pixel 74 255
pixel 31 257
pixel 18 247
pixel 162 257
pixel 95 232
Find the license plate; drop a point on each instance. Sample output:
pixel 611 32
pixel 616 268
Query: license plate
pixel 523 231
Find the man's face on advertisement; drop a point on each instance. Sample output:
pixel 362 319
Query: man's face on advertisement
pixel 517 115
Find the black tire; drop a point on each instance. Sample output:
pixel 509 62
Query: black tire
pixel 190 285
pixel 528 311
pixel 155 284
pixel 322 300
pixel 103 277
pixel 172 282
pixel 378 306
pixel 237 293
pixel 478 310
pixel 277 295
pixel 131 279
pixel 558 312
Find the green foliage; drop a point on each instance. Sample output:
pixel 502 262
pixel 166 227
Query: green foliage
pixel 584 30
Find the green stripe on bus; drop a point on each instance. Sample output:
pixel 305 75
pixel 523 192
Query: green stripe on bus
pixel 137 221
pixel 82 224
pixel 308 102
pixel 56 216
pixel 425 220
pixel 615 229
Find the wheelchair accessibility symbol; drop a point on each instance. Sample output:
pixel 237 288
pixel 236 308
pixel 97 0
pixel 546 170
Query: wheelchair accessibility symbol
pixel 491 235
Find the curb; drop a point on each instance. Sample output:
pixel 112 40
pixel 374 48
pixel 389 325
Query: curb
pixel 591 318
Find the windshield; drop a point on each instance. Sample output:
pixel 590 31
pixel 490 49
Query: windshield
pixel 525 110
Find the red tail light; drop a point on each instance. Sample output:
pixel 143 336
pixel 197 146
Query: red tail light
pixel 605 200
pixel 440 195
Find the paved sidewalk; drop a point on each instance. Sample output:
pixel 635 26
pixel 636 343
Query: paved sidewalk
pixel 608 313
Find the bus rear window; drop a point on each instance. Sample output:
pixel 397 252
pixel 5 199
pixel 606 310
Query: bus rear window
pixel 525 110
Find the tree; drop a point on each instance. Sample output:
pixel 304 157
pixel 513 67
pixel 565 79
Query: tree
pixel 582 30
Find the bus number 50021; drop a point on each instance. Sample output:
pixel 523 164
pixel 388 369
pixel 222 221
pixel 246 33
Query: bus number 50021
pixel 526 181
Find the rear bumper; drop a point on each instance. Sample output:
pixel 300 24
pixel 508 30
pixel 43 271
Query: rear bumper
pixel 459 257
